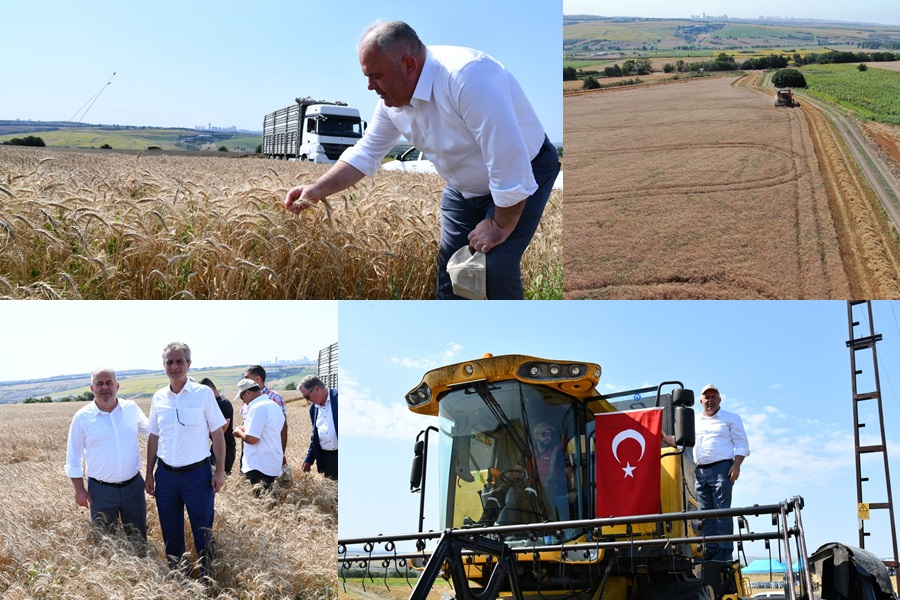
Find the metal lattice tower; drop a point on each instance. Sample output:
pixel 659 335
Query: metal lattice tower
pixel 863 344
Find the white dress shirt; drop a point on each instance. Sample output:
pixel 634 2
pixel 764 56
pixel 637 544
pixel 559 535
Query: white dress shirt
pixel 107 441
pixel 471 118
pixel 183 422
pixel 719 437
pixel 264 420
pixel 325 427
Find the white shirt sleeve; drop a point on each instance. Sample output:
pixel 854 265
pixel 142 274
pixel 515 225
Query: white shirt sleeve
pixel 75 449
pixel 380 137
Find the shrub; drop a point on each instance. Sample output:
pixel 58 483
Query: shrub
pixel 590 83
pixel 28 140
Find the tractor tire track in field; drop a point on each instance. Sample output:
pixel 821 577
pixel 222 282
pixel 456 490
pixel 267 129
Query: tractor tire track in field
pixel 864 198
pixel 696 189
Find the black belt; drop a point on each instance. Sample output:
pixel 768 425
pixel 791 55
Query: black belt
pixel 184 469
pixel 116 485
pixel 712 464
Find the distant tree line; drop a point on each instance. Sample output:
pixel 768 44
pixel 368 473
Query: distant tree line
pixel 879 45
pixel 28 140
pixel 82 397
pixel 834 57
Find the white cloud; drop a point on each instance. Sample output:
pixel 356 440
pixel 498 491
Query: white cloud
pixel 374 417
pixel 427 363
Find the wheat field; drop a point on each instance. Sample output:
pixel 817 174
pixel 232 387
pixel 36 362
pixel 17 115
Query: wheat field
pixel 96 225
pixel 277 546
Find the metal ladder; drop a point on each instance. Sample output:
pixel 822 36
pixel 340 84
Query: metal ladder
pixel 864 343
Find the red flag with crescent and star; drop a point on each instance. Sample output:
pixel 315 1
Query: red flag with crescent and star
pixel 628 450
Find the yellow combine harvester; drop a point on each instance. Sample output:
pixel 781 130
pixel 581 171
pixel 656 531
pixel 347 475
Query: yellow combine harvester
pixel 528 508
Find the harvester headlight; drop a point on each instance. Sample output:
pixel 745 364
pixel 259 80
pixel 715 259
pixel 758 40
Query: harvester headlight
pixel 420 395
pixel 469 369
pixel 554 370
pixel 534 371
pixel 575 370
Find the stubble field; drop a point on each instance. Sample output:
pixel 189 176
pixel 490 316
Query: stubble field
pixel 280 546
pixel 702 189
pixel 95 225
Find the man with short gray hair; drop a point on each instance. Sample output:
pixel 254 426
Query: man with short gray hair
pixel 470 116
pixel 105 434
pixel 323 412
pixel 183 417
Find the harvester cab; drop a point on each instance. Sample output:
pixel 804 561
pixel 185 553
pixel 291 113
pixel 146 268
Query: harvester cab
pixel 785 97
pixel 524 454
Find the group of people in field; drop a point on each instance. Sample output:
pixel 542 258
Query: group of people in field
pixel 191 448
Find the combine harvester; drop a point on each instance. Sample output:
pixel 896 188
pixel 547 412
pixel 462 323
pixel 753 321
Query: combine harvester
pixel 532 505
pixel 785 97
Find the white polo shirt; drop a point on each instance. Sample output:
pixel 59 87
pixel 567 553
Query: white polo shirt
pixel 183 422
pixel 264 420
pixel 107 441
pixel 325 426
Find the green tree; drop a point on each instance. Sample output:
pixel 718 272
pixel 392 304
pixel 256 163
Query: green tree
pixel 28 140
pixel 788 78
pixel 223 149
pixel 570 74
pixel 590 83
pixel 863 67
pixel 291 386
pixel 106 147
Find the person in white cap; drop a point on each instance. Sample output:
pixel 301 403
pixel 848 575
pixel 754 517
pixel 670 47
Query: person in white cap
pixel 261 433
pixel 720 449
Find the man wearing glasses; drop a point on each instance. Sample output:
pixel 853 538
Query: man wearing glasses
pixel 323 444
pixel 183 417
pixel 261 433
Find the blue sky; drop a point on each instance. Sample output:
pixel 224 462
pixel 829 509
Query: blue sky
pixel 43 339
pixel 783 366
pixel 229 62
pixel 866 11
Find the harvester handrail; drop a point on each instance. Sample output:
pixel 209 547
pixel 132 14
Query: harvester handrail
pixel 781 509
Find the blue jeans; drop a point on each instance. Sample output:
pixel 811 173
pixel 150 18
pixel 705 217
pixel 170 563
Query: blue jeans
pixel 177 491
pixel 459 216
pixel 713 489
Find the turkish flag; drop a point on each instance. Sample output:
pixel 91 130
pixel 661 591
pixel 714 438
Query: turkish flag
pixel 628 449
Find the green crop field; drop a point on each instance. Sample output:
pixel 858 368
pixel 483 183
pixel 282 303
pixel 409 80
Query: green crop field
pixel 871 94
pixel 136 139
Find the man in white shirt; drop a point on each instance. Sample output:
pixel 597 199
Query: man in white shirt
pixel 323 412
pixel 469 115
pixel 720 448
pixel 183 417
pixel 258 374
pixel 261 433
pixel 105 434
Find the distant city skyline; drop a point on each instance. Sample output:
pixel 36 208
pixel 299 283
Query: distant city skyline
pixel 884 12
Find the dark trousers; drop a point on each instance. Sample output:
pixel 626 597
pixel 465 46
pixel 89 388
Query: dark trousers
pixel 255 476
pixel 459 216
pixel 327 463
pixel 193 491
pixel 109 504
pixel 713 489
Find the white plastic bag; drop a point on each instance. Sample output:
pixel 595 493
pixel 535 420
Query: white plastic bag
pixel 468 273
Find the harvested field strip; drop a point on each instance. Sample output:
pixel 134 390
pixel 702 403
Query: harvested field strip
pixel 868 242
pixel 698 189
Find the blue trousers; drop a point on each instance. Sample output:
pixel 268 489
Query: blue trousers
pixel 713 489
pixel 128 503
pixel 193 491
pixel 459 216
